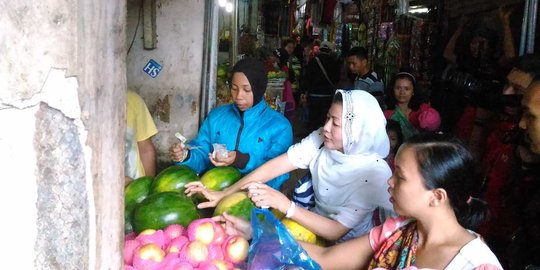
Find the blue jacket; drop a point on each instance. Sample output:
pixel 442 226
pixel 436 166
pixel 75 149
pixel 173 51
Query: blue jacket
pixel 262 133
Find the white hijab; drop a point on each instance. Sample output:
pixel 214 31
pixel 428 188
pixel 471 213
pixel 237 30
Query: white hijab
pixel 364 125
pixel 365 142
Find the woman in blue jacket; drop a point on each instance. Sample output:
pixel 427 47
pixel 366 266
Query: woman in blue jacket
pixel 252 131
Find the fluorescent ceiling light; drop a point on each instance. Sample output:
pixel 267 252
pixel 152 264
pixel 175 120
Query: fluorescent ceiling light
pixel 229 7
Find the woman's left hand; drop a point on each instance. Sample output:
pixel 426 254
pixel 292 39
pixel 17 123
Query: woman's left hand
pixel 235 225
pixel 219 162
pixel 265 196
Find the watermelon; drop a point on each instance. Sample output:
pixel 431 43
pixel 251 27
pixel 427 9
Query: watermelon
pixel 127 220
pixel 136 191
pixel 219 178
pixel 174 178
pixel 159 210
pixel 237 204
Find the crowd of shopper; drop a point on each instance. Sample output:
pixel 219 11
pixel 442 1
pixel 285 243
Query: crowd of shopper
pixel 440 174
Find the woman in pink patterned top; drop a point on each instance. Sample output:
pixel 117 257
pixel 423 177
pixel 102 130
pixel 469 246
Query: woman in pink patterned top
pixel 431 189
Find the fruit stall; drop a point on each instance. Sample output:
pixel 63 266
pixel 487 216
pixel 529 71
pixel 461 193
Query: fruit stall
pixel 165 230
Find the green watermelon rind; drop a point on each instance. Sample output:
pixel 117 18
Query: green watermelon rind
pixel 241 209
pixel 137 190
pixel 174 178
pixel 228 174
pixel 159 210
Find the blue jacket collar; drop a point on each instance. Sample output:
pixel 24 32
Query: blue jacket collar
pixel 253 111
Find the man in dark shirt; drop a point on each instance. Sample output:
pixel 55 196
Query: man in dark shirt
pixel 366 79
pixel 318 83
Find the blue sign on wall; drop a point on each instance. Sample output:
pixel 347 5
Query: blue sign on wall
pixel 152 68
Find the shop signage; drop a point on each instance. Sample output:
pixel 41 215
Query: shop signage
pixel 152 68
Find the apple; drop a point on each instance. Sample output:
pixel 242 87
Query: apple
pixel 148 257
pixel 235 249
pixel 220 234
pixel 130 236
pixel 222 264
pixel 171 262
pixel 194 252
pixel 214 252
pixel 172 231
pixel 152 236
pixel 177 244
pixel 129 249
pixel 181 266
pixel 207 266
pixel 201 230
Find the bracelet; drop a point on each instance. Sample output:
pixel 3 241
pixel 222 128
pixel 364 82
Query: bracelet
pixel 291 210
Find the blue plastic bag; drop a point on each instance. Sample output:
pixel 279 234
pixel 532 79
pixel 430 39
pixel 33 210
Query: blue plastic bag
pixel 273 247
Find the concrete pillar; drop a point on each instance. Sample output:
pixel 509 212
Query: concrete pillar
pixel 62 100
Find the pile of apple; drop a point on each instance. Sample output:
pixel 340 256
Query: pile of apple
pixel 203 245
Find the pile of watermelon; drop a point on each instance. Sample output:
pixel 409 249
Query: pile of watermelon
pixel 202 245
pixel 156 203
pixel 164 228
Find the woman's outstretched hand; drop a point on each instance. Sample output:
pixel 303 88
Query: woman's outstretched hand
pixel 235 225
pixel 197 187
pixel 263 195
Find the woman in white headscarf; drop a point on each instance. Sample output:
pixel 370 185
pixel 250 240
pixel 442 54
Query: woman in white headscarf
pixel 346 160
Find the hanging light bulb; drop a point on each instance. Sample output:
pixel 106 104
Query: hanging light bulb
pixel 229 7
pixel 222 3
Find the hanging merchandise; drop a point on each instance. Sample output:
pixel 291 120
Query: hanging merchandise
pixel 260 36
pixel 337 29
pixel 328 11
pixel 390 62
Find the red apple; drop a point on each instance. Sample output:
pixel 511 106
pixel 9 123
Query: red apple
pixel 129 249
pixel 222 264
pixel 172 231
pixel 152 236
pixel 171 261
pixel 207 266
pixel 214 252
pixel 182 266
pixel 220 234
pixel 201 230
pixel 235 249
pixel 177 244
pixel 195 252
pixel 130 236
pixel 148 257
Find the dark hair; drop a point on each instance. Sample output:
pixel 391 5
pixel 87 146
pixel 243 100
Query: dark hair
pixel 393 125
pixel 287 41
pixel 359 52
pixel 416 99
pixel 338 98
pixel 529 63
pixel 446 163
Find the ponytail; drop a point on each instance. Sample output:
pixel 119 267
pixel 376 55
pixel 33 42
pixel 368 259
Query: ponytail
pixel 473 213
pixel 446 163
